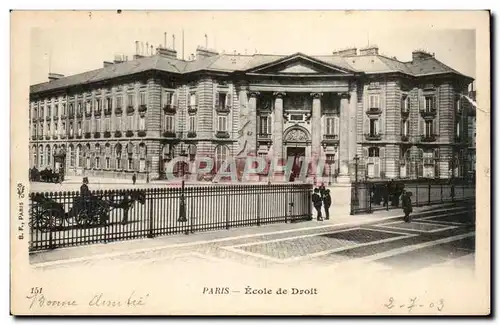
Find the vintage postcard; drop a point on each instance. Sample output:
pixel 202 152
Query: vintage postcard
pixel 250 163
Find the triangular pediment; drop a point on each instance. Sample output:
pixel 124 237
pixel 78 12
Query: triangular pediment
pixel 298 64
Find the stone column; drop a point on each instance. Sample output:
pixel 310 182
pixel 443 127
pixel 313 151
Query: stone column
pixel 353 101
pixel 278 126
pixel 316 125
pixel 248 120
pixel 344 139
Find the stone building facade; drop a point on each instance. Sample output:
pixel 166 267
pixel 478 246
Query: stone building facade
pixel 396 119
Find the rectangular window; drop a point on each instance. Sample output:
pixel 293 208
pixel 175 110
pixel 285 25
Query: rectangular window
pixel 169 123
pixel 457 104
pixel 143 98
pixel 130 100
pixel 222 100
pixel 119 101
pixel 192 123
pixel 130 123
pixel 88 107
pixel 56 110
pixel 107 125
pixel 130 164
pixel 430 103
pixel 108 163
pixel 97 162
pixel 63 128
pixel 374 127
pixel 49 109
pixel 142 123
pixel 118 163
pixel 405 103
pixel 109 103
pixel 222 123
pixel 118 123
pixel 265 125
pixel 428 128
pixel 404 128
pixel 48 129
pixel 79 128
pixel 373 152
pixel 166 98
pixel 98 125
pixel 374 101
pixel 458 129
pixel 192 99
pixel 142 165
pixel 329 125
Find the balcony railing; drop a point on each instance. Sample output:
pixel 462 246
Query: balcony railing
pixel 374 111
pixel 223 109
pixel 405 138
pixel 107 112
pixel 33 137
pixel 129 133
pixel 331 138
pixel 118 111
pixel 169 134
pixel 192 109
pixel 428 113
pixel 107 134
pixel 55 118
pixel 79 136
pixel 429 161
pixel 47 137
pixel 191 134
pixel 48 118
pixel 141 133
pixel 87 135
pixel 264 136
pixel 88 114
pixel 130 109
pixel 169 109
pixel 118 134
pixel 428 138
pixel 97 135
pixel 405 114
pixel 143 108
pixel 79 114
pixel 222 134
pixel 373 136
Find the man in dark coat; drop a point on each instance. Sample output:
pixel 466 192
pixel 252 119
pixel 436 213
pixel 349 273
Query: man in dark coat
pixel 327 202
pixel 134 178
pixel 84 189
pixel 407 206
pixel 317 202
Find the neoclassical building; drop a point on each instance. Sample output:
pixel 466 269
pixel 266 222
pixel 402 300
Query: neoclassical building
pixel 396 119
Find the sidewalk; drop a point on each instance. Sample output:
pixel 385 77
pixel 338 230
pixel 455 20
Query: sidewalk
pixel 107 250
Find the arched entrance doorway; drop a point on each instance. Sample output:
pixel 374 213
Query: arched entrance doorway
pixel 296 141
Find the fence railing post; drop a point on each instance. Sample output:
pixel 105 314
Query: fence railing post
pixel 258 208
pixel 387 196
pixel 429 193
pixel 416 195
pixel 369 196
pixel 151 213
pixel 442 199
pixel 287 205
pixel 227 212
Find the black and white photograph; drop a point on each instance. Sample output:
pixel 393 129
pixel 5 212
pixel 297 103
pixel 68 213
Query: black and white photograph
pixel 230 162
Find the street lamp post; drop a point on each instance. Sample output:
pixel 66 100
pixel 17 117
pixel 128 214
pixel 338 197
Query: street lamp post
pixel 182 204
pixel 356 199
pixel 268 172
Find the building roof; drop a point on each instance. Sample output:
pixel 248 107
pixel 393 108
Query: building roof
pixel 369 64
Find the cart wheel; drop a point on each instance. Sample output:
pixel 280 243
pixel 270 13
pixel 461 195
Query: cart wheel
pixel 82 218
pixel 50 219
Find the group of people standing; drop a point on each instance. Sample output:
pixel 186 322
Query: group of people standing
pixel 321 198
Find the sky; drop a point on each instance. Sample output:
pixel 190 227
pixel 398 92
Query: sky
pixel 70 45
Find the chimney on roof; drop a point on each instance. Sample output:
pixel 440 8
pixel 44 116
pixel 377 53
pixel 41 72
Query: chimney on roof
pixel 118 59
pixel 55 76
pixel 369 50
pixel 107 63
pixel 346 52
pixel 167 53
pixel 421 55
pixel 202 53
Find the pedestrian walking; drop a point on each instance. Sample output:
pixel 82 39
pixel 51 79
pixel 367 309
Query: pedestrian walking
pixel 147 178
pixel 84 189
pixel 322 190
pixel 134 178
pixel 407 206
pixel 327 202
pixel 317 202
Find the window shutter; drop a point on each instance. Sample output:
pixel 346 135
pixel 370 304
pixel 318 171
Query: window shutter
pixel 366 124
pixel 421 126
pixel 377 126
pixel 381 125
pixel 336 125
pixel 229 100
pixel 168 100
pixel 365 153
pixel 435 125
pixel 376 167
pixel 196 99
pixel 216 99
pixel 382 159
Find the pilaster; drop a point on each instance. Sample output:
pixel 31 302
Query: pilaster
pixel 344 139
pixel 278 126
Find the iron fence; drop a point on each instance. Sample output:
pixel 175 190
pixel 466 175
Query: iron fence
pixel 60 219
pixel 367 197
